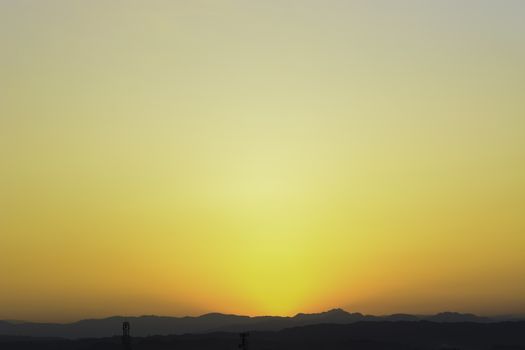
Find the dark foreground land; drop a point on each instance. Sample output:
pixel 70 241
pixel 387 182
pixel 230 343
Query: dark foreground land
pixel 361 335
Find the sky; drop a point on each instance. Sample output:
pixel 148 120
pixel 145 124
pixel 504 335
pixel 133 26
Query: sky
pixel 261 157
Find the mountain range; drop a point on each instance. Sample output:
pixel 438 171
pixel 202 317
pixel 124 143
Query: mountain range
pixel 214 322
pixel 398 335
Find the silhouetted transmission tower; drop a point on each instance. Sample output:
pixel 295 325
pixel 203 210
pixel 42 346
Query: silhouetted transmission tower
pixel 126 338
pixel 244 340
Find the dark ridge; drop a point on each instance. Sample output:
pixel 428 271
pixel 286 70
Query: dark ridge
pixel 380 335
pixel 215 322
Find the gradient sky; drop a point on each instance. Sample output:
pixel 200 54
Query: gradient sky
pixel 261 157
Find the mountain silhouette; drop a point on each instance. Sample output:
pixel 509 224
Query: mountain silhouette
pixel 380 335
pixel 213 322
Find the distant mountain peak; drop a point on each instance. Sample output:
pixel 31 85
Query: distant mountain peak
pixel 336 311
pixel 218 315
pixel 331 312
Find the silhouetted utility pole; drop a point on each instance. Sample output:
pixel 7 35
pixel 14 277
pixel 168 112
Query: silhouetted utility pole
pixel 126 338
pixel 244 340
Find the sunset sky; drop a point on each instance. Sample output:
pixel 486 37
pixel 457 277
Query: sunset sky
pixel 261 157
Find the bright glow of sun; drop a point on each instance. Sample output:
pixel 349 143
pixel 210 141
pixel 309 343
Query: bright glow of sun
pixel 261 157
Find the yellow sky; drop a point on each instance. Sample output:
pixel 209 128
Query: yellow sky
pixel 261 157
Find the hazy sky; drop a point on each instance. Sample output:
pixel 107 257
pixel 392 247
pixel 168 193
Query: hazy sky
pixel 261 157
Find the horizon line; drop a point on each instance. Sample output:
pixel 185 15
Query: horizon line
pixel 495 315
